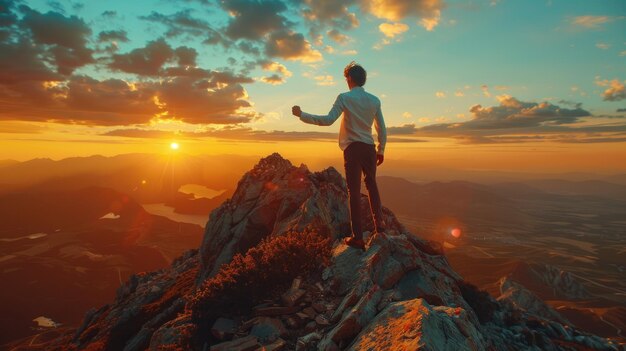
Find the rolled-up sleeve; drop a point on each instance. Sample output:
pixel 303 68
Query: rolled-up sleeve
pixel 325 120
pixel 381 130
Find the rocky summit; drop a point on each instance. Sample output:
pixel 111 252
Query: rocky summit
pixel 272 274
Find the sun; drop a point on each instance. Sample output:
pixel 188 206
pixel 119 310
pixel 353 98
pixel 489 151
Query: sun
pixel 174 146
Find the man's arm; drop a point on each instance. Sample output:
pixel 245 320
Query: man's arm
pixel 381 131
pixel 321 120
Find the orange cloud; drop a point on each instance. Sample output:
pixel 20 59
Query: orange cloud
pixel 429 11
pixel 615 90
pixel 391 30
pixel 291 46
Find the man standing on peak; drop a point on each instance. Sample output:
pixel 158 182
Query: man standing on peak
pixel 360 110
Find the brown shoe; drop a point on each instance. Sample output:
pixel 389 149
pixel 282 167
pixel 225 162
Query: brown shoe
pixel 354 242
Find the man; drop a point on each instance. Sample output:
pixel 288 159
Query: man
pixel 360 110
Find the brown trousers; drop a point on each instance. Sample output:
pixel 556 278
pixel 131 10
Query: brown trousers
pixel 360 158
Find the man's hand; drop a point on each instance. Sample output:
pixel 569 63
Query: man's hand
pixel 296 111
pixel 379 159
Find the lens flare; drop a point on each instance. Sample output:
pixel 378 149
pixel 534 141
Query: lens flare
pixel 456 232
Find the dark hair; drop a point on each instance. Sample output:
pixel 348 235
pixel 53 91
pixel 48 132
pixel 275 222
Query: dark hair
pixel 356 72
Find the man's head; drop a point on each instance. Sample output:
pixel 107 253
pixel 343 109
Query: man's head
pixel 355 73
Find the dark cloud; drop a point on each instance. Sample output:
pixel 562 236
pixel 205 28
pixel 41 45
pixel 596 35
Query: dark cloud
pixel 7 16
pixel 512 113
pixel 84 100
pixel 56 6
pixel 203 101
pixel 337 37
pixel 22 61
pixel 40 51
pixel 330 12
pixel 109 14
pixel 621 110
pixel 64 38
pixel 186 56
pixel 517 121
pixel 180 23
pixel 253 19
pixel 56 29
pixel 291 46
pixel 113 35
pixel 332 17
pixel 112 96
pixel 406 129
pixel 144 61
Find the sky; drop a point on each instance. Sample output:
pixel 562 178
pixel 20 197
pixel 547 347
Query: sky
pixel 490 84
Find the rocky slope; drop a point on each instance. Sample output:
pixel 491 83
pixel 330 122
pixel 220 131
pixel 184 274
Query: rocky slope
pixel 399 294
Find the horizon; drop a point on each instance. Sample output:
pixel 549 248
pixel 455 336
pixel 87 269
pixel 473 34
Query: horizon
pixel 216 79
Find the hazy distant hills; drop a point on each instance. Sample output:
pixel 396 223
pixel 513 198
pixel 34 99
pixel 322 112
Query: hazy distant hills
pixel 59 257
pixel 462 201
pixel 562 240
pixel 586 187
pixel 145 177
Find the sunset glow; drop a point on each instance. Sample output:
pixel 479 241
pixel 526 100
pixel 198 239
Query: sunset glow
pixel 549 98
pixel 174 146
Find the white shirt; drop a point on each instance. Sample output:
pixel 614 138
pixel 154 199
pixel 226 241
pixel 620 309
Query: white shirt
pixel 360 109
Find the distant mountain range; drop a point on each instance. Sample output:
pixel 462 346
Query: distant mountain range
pixel 64 252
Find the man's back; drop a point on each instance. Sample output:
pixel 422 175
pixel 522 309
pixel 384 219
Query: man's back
pixel 360 109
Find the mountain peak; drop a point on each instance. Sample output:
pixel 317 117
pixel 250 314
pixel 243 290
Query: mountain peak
pixel 281 217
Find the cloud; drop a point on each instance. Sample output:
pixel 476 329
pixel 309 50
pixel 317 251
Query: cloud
pixel 144 61
pixel 603 46
pixel 291 46
pixel 485 90
pixel 330 16
pixel 324 80
pixel 593 22
pixel 615 89
pixel 391 30
pixel 280 73
pixel 179 23
pixel 62 39
pixel 338 37
pixel 518 121
pixel 21 127
pixel 202 101
pixel 440 94
pixel 428 11
pixel 107 102
pixel 330 12
pixel 407 115
pixel 405 129
pixel 253 19
pixel 113 35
